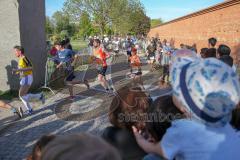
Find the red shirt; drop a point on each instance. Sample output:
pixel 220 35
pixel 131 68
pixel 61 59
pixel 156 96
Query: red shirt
pixel 53 51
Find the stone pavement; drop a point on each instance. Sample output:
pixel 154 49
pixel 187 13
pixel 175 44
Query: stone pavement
pixel 86 113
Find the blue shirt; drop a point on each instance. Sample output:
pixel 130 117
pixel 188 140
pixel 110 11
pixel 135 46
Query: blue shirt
pixel 190 140
pixel 65 55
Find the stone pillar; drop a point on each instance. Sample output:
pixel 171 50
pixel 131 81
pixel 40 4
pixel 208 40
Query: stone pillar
pixel 22 22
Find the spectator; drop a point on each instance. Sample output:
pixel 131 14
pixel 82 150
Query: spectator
pixel 224 54
pixel 212 42
pixel 166 56
pixel 67 44
pixel 127 109
pixel 53 51
pixel 203 52
pixel 39 146
pixel 129 101
pixel 194 48
pixel 211 45
pixel 161 114
pixel 208 110
pixel 79 147
pixel 182 46
pixel 235 122
pixel 210 53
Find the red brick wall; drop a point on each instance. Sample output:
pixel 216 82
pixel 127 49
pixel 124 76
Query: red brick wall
pixel 221 21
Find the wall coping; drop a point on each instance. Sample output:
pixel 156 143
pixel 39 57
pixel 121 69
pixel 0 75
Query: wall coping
pixel 203 11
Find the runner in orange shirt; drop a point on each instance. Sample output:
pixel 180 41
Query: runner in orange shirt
pixel 101 61
pixel 135 64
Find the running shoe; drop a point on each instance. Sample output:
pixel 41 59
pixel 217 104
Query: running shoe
pixel 17 112
pixel 29 112
pixel 42 98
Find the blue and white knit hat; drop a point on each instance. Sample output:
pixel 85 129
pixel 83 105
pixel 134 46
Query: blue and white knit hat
pixel 208 88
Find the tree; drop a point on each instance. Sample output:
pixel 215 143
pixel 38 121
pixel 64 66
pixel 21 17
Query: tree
pixel 85 26
pixel 62 23
pixel 140 23
pixel 119 16
pixel 97 9
pixel 156 22
pixel 49 26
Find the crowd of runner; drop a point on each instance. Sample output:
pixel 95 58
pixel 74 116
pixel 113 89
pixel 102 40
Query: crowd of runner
pixel 200 120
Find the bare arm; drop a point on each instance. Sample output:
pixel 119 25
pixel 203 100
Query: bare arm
pixel 59 65
pixel 22 70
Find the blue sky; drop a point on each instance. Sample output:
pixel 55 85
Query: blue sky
pixel 165 9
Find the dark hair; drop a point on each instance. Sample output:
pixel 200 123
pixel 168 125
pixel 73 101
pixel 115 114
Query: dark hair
pixel 97 41
pixel 20 48
pixel 57 43
pixel 235 121
pixel 60 43
pixel 63 43
pixel 129 101
pixel 39 146
pixel 203 52
pixel 211 52
pixel 223 50
pixel 67 40
pixel 212 41
pixel 227 59
pixel 182 45
pixel 162 112
pixel 124 141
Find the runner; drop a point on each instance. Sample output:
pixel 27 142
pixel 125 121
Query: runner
pixel 25 69
pixel 129 45
pixel 136 72
pixel 116 43
pixel 100 59
pixel 151 54
pixel 65 60
pixel 14 110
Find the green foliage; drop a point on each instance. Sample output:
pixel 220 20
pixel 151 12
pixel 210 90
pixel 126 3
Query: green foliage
pixel 82 18
pixel 64 33
pixel 119 16
pixel 62 23
pixel 55 38
pixel 85 25
pixel 156 22
pixel 78 44
pixel 49 26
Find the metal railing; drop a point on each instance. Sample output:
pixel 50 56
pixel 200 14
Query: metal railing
pixel 53 74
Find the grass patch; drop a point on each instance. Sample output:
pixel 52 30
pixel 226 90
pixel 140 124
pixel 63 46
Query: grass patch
pixel 78 44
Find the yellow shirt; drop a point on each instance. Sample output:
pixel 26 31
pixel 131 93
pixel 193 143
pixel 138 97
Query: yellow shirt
pixel 24 63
